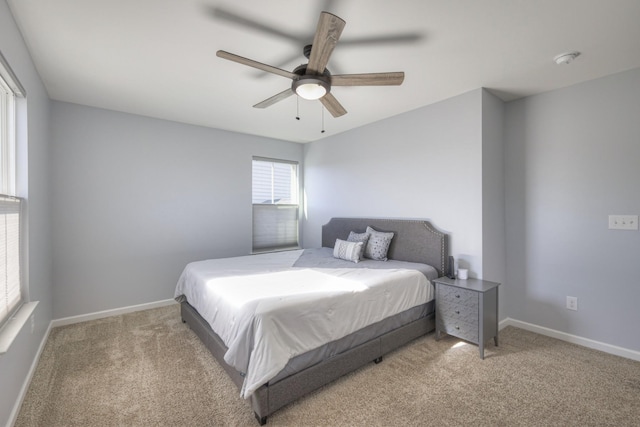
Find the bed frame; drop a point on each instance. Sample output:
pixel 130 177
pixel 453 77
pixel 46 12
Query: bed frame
pixel 415 241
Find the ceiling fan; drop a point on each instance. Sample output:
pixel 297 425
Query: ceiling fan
pixel 313 80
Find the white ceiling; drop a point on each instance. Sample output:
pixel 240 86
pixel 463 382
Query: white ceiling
pixel 157 57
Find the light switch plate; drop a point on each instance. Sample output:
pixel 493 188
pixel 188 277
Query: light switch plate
pixel 623 222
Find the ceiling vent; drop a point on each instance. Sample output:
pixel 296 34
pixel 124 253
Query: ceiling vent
pixel 566 58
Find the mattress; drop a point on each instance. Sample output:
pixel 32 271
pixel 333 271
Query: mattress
pixel 269 309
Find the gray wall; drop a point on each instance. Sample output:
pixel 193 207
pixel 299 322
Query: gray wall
pixel 33 184
pixel 493 195
pixel 573 158
pixel 134 199
pixel 426 164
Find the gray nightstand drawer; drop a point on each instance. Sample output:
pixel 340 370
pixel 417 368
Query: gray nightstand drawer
pixel 466 331
pixel 459 312
pixel 450 294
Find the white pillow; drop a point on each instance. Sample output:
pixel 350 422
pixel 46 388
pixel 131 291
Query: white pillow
pixel 348 251
pixel 378 244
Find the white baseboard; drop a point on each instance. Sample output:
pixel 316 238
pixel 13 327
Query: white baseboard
pixel 574 339
pixel 108 313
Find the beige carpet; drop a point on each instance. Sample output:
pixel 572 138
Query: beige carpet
pixel 149 369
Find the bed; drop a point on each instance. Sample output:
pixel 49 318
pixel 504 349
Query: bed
pixel 342 346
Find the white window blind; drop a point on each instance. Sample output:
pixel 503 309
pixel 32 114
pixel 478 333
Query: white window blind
pixel 10 292
pixel 275 204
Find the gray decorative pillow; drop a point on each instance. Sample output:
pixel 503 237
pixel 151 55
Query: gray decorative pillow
pixel 348 251
pixel 378 244
pixel 359 237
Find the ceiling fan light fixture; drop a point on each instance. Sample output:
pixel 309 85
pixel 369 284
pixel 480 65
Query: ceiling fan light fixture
pixel 311 91
pixel 310 88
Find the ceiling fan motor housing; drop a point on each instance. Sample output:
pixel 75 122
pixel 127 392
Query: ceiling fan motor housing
pixel 310 86
pixel 306 51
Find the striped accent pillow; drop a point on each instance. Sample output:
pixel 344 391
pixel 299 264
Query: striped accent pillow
pixel 348 251
pixel 359 237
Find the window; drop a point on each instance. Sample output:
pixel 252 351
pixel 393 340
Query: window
pixel 275 204
pixel 11 292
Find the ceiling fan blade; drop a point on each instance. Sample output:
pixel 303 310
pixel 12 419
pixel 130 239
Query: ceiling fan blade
pixel 275 98
pixel 327 35
pixel 251 24
pixel 332 105
pixel 403 39
pixel 255 64
pixel 368 79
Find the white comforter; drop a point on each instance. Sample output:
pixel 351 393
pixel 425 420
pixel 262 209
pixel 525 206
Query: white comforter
pixel 267 311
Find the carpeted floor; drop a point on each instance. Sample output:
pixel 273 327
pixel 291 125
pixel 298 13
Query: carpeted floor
pixel 148 369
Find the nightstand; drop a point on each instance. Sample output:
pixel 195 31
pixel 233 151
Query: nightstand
pixel 467 309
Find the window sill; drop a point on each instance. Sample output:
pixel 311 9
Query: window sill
pixel 272 250
pixel 12 328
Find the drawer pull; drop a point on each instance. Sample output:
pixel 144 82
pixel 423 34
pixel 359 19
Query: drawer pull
pixel 457 296
pixel 458 327
pixel 457 311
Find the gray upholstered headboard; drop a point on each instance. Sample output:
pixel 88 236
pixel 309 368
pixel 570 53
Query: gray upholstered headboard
pixel 414 240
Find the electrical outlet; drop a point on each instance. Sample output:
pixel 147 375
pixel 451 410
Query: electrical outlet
pixel 33 322
pixel 572 303
pixel 623 222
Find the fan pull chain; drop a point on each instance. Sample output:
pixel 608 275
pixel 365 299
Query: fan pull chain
pixel 297 108
pixel 322 107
